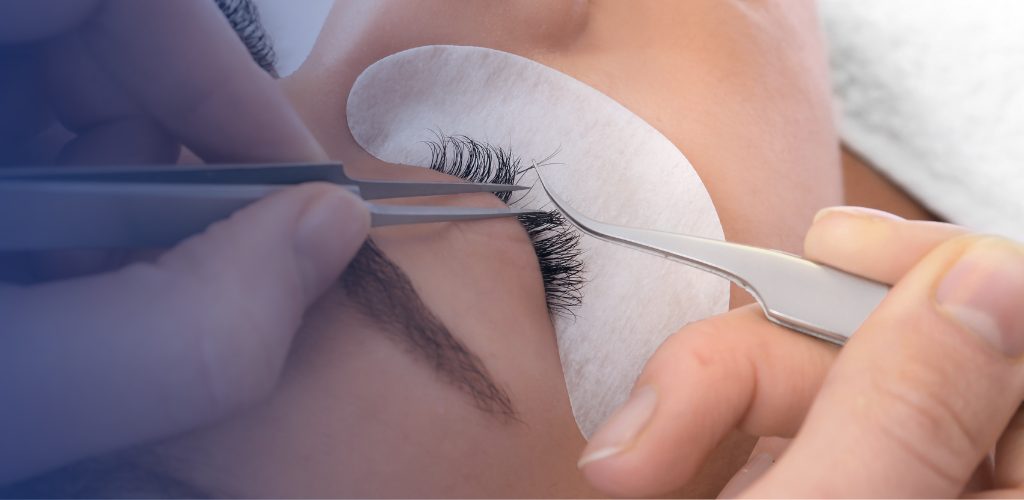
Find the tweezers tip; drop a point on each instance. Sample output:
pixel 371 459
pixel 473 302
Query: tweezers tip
pixel 526 211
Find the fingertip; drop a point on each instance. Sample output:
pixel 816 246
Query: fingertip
pixel 843 231
pixel 873 244
pixel 851 211
pixel 328 233
pixel 631 472
pixel 732 372
pixel 690 395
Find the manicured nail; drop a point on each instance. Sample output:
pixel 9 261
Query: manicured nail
pixel 622 428
pixel 984 291
pixel 754 469
pixel 856 212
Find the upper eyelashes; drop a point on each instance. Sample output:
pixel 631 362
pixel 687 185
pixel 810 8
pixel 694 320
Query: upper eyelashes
pixel 555 242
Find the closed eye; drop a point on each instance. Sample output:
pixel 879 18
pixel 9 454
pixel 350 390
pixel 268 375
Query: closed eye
pixel 555 241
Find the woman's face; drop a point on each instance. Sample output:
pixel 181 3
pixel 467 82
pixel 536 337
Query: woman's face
pixel 367 407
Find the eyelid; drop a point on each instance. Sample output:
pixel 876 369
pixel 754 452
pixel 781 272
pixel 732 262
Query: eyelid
pixel 555 242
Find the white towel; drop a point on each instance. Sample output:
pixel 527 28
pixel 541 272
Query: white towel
pixel 932 93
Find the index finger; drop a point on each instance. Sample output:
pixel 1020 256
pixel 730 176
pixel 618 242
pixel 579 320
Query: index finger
pixel 732 371
pixel 185 66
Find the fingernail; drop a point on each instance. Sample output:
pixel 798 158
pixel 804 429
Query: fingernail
pixel 622 428
pixel 983 291
pixel 856 212
pixel 329 232
pixel 755 468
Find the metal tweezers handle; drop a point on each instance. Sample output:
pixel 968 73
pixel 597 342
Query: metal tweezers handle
pixel 247 174
pixel 796 293
pixel 55 215
pixel 238 174
pixel 156 206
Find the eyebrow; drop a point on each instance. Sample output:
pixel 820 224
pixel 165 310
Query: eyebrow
pixel 383 292
pixel 245 19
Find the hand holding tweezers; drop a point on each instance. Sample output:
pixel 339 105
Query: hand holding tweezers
pixel 158 206
pixel 795 293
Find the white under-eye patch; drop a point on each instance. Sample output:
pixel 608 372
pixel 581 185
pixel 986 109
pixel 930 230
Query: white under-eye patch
pixel 608 162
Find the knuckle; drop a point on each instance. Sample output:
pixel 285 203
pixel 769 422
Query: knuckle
pixel 959 243
pixel 704 349
pixel 239 359
pixel 236 346
pixel 708 355
pixel 917 415
pixel 701 343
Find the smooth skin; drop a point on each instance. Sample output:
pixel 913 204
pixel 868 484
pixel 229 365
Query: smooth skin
pixel 910 407
pixel 99 363
pixel 269 255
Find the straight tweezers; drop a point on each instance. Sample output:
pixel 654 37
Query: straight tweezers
pixel 155 207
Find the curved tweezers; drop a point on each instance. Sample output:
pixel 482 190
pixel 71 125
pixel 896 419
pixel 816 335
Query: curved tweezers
pixel 795 293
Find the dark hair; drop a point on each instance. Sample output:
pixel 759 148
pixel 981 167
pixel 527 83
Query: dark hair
pixel 244 17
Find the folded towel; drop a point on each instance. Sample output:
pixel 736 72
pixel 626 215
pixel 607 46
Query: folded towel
pixel 932 93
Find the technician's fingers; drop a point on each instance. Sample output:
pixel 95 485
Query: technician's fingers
pixel 178 65
pixel 109 126
pixel 733 370
pixel 1009 460
pixel 108 361
pixel 924 389
pixel 762 457
pixel 871 243
pixel 23 110
pixel 186 68
pixel 23 21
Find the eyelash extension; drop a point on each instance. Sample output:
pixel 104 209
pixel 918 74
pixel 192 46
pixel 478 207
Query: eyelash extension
pixel 555 242
pixel 557 247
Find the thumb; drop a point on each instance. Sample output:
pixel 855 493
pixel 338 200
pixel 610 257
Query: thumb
pixel 98 363
pixel 924 389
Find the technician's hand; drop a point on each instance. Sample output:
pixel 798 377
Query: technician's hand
pixel 928 386
pixel 103 362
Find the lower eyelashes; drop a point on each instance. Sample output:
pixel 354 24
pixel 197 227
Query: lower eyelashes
pixel 555 242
